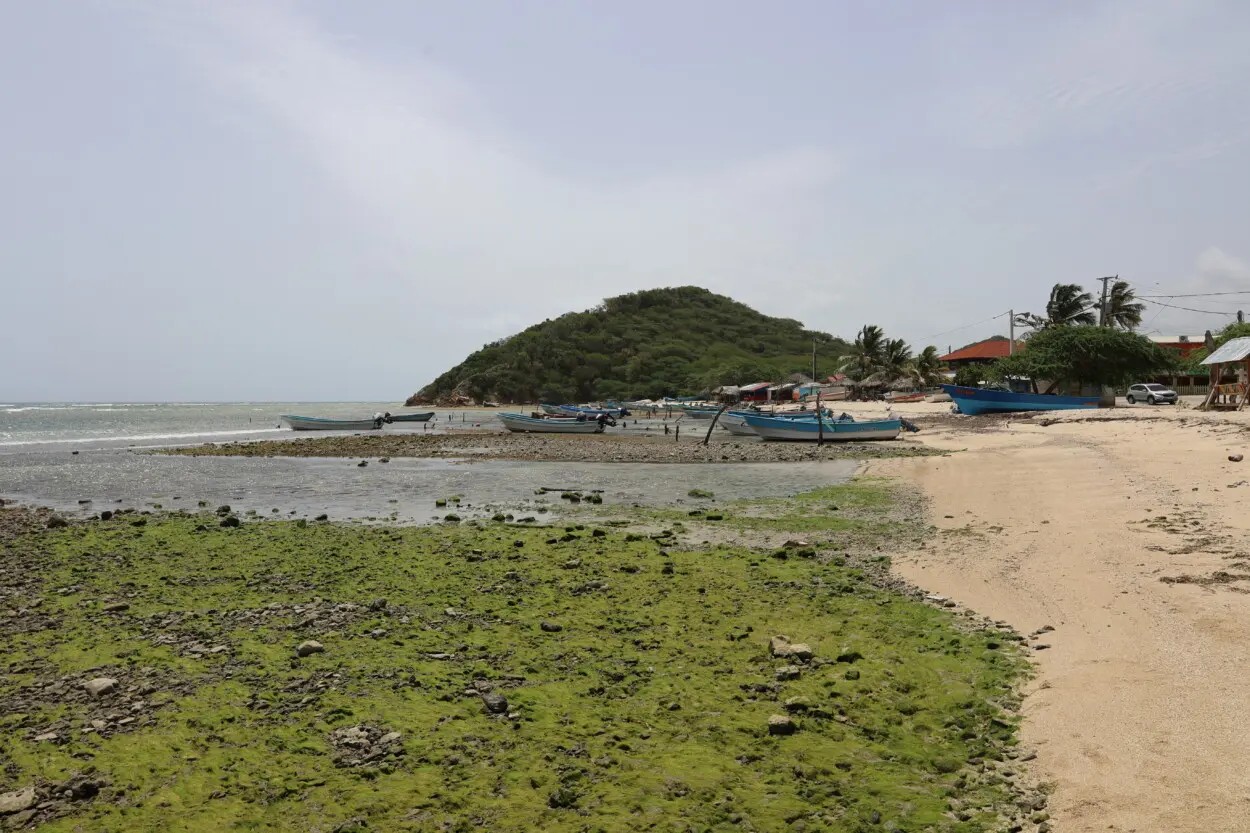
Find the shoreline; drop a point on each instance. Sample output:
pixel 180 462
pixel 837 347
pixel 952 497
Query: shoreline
pixel 1114 540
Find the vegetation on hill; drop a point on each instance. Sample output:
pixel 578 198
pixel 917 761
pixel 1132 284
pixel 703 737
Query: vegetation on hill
pixel 659 342
pixel 1193 362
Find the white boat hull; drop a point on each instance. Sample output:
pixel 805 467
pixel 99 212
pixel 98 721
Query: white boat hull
pixel 737 425
pixel 522 424
pixel 299 423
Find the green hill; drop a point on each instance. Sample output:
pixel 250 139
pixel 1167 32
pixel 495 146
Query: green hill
pixel 659 342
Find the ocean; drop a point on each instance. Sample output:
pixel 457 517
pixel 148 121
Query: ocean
pixel 82 458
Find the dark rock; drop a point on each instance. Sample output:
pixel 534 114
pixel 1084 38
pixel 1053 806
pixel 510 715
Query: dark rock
pixel 116 607
pixel 223 510
pixel 551 627
pixel 782 724
pixel 362 464
pixel 322 518
pixel 57 522
pixel 308 648
pixel 230 521
pixel 788 672
pixel 378 604
pixel 850 656
pixel 495 703
pixel 1235 458
pixel 139 522
pixel 106 515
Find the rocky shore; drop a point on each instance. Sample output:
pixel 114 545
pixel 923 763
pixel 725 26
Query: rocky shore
pixel 597 448
pixel 161 670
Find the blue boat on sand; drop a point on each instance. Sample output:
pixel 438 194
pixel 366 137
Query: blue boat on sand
pixel 974 401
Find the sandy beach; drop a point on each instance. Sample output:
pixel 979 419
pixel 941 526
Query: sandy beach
pixel 1123 531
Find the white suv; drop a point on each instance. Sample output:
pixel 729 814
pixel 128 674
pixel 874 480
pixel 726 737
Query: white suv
pixel 1152 393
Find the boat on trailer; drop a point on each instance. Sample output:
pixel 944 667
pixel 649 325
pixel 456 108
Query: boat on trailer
pixel 425 417
pixel 522 424
pixel 832 430
pixel 974 401
pixel 307 423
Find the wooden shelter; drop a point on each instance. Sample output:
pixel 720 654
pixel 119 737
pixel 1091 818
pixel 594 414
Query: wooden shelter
pixel 1233 356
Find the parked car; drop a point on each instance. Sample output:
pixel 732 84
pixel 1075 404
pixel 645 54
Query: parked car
pixel 1152 393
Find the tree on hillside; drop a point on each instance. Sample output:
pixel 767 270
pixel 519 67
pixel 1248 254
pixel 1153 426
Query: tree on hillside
pixel 896 361
pixel 1192 364
pixel 1123 308
pixel 1104 356
pixel 1068 304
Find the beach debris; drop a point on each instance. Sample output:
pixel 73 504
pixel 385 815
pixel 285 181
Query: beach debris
pixel 100 686
pixel 781 646
pixel 1235 458
pixel 782 724
pixel 17 801
pixel 309 647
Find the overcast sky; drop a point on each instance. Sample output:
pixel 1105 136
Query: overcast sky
pixel 327 200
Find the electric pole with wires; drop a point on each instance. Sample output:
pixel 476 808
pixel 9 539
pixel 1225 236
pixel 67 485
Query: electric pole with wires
pixel 1102 308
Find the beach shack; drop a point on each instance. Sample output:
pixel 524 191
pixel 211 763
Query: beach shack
pixel 1232 359
pixel 757 392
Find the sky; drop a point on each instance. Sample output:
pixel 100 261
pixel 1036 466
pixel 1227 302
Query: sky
pixel 273 200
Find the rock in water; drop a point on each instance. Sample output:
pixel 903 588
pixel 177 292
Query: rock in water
pixel 17 801
pixel 495 703
pixel 100 686
pixel 781 724
pixel 307 649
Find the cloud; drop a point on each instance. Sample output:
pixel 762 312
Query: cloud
pixel 452 197
pixel 1109 68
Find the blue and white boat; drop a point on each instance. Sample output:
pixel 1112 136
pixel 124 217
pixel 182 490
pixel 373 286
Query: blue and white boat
pixel 522 424
pixel 307 423
pixel 974 401
pixel 833 430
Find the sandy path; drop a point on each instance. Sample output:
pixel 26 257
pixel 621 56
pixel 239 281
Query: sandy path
pixel 1141 709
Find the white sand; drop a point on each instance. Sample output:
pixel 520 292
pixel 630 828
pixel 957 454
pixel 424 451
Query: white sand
pixel 1140 712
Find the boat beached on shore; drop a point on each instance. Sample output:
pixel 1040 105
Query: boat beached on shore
pixel 975 401
pixel 843 429
pixel 522 424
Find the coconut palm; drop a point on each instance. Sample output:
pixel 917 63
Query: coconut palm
pixel 1068 304
pixel 866 353
pixel 1123 308
pixel 926 370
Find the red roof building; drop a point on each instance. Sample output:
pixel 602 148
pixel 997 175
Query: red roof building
pixel 983 352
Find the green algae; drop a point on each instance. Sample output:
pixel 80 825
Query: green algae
pixel 646 709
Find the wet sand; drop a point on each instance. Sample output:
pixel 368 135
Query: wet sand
pixel 1125 532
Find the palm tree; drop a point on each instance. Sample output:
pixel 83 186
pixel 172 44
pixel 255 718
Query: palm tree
pixel 1068 304
pixel 1123 308
pixel 895 365
pixel 926 370
pixel 866 353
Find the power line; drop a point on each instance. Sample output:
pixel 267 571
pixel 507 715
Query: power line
pixel 966 326
pixel 1198 294
pixel 1186 309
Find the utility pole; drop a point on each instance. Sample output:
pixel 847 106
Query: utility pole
pixel 1011 328
pixel 1102 308
pixel 813 360
pixel 1241 317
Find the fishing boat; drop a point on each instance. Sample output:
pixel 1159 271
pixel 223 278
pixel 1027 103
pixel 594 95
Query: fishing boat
pixel 592 413
pixel 554 410
pixel 973 401
pixel 306 423
pixel 833 430
pixel 425 417
pixel 549 425
pixel 695 412
pixel 736 423
pixel 901 398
